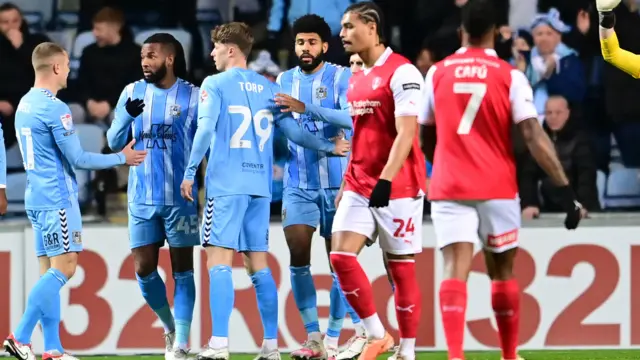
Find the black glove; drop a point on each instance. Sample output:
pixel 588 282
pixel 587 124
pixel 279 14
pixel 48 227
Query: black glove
pixel 572 208
pixel 607 19
pixel 134 107
pixel 380 194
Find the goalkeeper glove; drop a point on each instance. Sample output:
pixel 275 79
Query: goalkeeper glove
pixel 606 5
pixel 134 107
pixel 605 12
pixel 572 208
pixel 380 194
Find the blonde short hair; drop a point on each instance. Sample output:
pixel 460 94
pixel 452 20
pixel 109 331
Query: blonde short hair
pixel 42 54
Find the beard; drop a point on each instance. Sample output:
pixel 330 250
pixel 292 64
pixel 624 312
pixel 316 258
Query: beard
pixel 156 76
pixel 317 60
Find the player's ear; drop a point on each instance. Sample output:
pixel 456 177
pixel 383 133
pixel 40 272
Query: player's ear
pixel 325 47
pixel 170 60
pixel 57 68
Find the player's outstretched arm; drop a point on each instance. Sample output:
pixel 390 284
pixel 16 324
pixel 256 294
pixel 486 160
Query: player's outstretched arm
pixel 611 51
pixel 126 112
pixel 68 142
pixel 543 150
pixel 301 137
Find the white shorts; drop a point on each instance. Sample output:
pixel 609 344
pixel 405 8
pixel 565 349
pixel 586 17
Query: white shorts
pixel 494 222
pixel 399 225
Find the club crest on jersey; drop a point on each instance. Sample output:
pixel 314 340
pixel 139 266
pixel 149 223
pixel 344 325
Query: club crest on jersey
pixel 77 237
pixel 67 121
pixel 376 83
pixel 321 93
pixel 174 110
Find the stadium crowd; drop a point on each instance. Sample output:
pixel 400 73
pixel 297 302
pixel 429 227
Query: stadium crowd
pixel 585 105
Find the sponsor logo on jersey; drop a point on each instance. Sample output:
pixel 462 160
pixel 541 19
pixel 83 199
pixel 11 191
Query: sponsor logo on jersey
pixel 411 86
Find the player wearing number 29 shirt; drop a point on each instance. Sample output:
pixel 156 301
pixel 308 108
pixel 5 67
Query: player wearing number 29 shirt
pixel 383 189
pixel 473 98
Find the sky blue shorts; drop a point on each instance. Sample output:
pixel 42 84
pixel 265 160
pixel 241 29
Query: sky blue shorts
pixel 238 222
pixel 57 232
pixel 309 207
pixel 149 224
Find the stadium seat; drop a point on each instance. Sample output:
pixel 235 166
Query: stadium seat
pixel 82 41
pixel 601 184
pixel 92 140
pixel 34 20
pixel 63 37
pixel 66 20
pixel 181 35
pixel 43 7
pixel 622 188
pixel 16 184
pixel 207 20
pixel 14 158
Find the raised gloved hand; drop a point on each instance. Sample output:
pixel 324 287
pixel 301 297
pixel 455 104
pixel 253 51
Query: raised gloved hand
pixel 607 18
pixel 134 107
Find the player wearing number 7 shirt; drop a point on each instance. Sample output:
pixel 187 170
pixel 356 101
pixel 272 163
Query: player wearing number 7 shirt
pixel 384 185
pixel 235 122
pixel 474 98
pixel 50 152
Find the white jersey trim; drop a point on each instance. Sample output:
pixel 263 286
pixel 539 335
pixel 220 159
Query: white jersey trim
pixel 521 98
pixel 426 115
pixel 407 86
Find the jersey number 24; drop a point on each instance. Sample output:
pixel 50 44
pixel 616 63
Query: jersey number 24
pixel 477 92
pixel 264 133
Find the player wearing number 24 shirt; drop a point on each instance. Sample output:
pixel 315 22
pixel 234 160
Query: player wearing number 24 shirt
pixel 236 116
pixel 51 152
pixel 473 98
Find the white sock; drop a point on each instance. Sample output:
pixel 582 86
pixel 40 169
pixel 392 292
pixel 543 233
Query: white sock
pixel 374 326
pixel 315 336
pixel 270 344
pixel 408 348
pixel 360 329
pixel 217 342
pixel 330 341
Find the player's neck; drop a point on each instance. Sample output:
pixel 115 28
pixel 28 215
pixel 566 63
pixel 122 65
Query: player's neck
pixel 47 85
pixel 236 63
pixel 167 82
pixel 372 54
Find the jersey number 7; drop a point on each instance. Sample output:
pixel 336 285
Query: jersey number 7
pixel 263 133
pixel 477 91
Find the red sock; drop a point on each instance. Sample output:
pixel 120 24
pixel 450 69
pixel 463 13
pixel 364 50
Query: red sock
pixel 354 283
pixel 505 300
pixel 453 306
pixel 407 296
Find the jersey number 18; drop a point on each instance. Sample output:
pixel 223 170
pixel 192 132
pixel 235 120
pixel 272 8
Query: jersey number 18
pixel 263 133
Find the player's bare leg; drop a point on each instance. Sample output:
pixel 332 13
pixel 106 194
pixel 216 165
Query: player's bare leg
pixel 338 309
pixel 184 299
pixel 267 296
pixel 304 291
pixel 154 290
pixel 386 268
pixel 356 286
pixel 453 295
pixel 221 300
pixel 505 299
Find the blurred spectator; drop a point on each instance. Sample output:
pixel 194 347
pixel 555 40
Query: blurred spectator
pixel 16 72
pixel 622 92
pixel 332 14
pixel 521 50
pixel 574 152
pixel 106 67
pixel 555 68
pixel 355 63
pixel 425 59
pixel 264 65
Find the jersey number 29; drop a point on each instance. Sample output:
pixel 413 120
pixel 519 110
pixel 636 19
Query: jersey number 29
pixel 264 133
pixel 477 91
pixel 26 149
